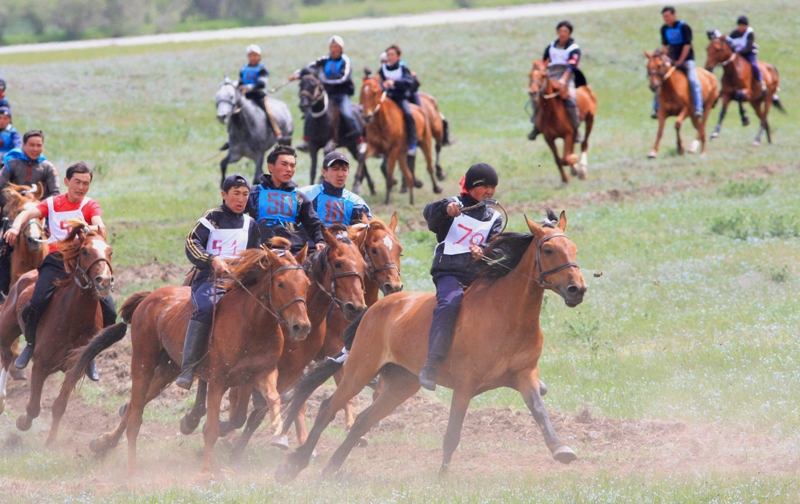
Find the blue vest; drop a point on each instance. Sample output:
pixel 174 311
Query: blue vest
pixel 674 35
pixel 333 68
pixel 5 141
pixel 333 210
pixel 250 74
pixel 276 207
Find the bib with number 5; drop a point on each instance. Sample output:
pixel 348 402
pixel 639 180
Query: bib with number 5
pixel 466 231
pixel 226 243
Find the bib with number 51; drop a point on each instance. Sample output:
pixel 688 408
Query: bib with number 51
pixel 466 231
pixel 226 243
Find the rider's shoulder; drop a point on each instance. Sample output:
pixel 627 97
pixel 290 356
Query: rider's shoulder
pixel 353 197
pixel 310 191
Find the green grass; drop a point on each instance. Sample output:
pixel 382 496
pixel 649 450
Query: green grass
pixel 694 317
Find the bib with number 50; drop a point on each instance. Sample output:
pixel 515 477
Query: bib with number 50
pixel 466 231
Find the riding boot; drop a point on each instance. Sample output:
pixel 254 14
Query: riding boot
pixel 427 377
pixel 194 349
pixel 31 315
pixel 534 117
pixel 534 133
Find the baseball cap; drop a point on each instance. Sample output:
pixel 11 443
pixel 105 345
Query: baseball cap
pixel 5 111
pixel 339 40
pixel 234 180
pixel 334 156
pixel 252 48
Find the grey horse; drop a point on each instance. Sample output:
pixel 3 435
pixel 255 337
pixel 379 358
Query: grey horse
pixel 248 134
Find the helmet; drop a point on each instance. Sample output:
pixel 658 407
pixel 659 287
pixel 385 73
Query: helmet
pixel 2 84
pixel 742 20
pixel 252 48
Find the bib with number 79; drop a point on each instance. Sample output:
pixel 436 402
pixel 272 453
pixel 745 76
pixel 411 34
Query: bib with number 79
pixel 466 231
pixel 226 243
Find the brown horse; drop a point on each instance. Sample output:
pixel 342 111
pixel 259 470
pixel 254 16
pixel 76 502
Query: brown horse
pixel 70 320
pixel 498 341
pixel 337 276
pixel 29 252
pixel 439 128
pixel 386 135
pixel 554 122
pixel 739 83
pixel 674 99
pixel 266 289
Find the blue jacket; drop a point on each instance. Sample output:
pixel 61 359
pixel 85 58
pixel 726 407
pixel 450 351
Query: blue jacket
pixel 335 74
pixel 336 206
pixel 9 139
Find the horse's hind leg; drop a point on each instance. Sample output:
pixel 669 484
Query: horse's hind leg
pixel 59 407
pixel 38 376
pixel 399 385
pixel 239 398
pixel 583 166
pixel 191 420
pixel 426 149
pixel 3 382
pixel 259 168
pixel 726 100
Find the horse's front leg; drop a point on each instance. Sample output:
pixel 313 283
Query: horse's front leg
pixel 259 168
pixel 726 100
pixel 662 119
pixel 211 430
pixel 313 149
pixel 528 386
pixel 552 143
pixel 678 123
pixel 34 407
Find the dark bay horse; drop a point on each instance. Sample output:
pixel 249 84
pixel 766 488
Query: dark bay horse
pixel 248 133
pixel 29 252
pixel 391 339
pixel 69 321
pixel 739 83
pixel 265 289
pixel 674 99
pixel 554 122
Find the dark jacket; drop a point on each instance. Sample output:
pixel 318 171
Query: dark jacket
pixel 335 74
pixel 439 222
pixel 573 58
pixel 305 216
pixel 20 169
pixel 675 37
pixel 221 217
pixel 749 45
pixel 9 139
pixel 402 86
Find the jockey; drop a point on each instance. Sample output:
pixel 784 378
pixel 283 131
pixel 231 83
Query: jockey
pixel 562 57
pixel 59 209
pixel 742 41
pixel 253 80
pixel 335 72
pixel 221 233
pixel 461 237
pixel 3 99
pixel 676 39
pixel 414 91
pixel 9 136
pixel 279 208
pixel 23 166
pixel 333 203
pixel 398 82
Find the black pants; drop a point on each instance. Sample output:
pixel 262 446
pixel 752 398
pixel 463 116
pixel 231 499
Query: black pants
pixel 5 267
pixel 411 126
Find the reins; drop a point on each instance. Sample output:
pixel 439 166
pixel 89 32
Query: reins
pixel 542 274
pixel 275 312
pixel 334 276
pixel 315 96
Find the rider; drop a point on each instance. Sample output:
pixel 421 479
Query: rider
pixel 562 57
pixel 398 82
pixel 742 41
pixel 219 234
pixel 333 203
pixel 3 99
pixel 279 208
pixel 9 136
pixel 453 260
pixel 335 72
pixel 253 80
pixel 58 210
pixel 24 166
pixel 676 39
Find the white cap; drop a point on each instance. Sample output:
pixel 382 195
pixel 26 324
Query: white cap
pixel 338 40
pixel 384 57
pixel 252 48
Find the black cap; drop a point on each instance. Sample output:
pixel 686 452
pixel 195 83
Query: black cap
pixel 234 180
pixel 334 156
pixel 5 111
pixel 480 174
pixel 742 20
pixel 2 84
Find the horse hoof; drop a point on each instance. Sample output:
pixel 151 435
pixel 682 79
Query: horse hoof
pixel 286 473
pixel 188 425
pixel 564 454
pixel 2 406
pixel 652 154
pixel 714 135
pixel 357 188
pixel 403 190
pixel 756 143
pixel 94 446
pixel 418 183
pixel 439 174
pixel 17 374
pixel 123 409
pixel 281 442
pixel 583 170
pixel 573 171
pixel 362 443
pixel 24 423
pixel 437 189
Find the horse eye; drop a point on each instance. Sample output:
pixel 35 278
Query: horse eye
pixel 548 251
pixel 280 285
pixel 337 264
pixel 374 250
pixel 85 252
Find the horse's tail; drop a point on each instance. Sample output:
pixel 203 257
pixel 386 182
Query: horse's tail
pixel 79 359
pixel 778 105
pixel 130 305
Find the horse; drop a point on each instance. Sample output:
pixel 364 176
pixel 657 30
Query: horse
pixel 248 133
pixel 440 129
pixel 553 122
pixel 323 122
pixel 265 288
pixel 390 339
pixel 29 252
pixel 386 135
pixel 337 275
pixel 69 321
pixel 674 99
pixel 739 83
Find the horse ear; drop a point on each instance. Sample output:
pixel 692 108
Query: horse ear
pixel 301 256
pixel 648 54
pixel 360 238
pixel 393 222
pixel 562 221
pixel 534 228
pixel 330 240
pixel 39 191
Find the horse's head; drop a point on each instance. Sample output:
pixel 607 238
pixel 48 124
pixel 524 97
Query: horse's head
pixel 227 99
pixel 657 67
pixel 556 266
pixel 87 257
pixel 718 52
pixel 381 251
pixel 539 80
pixel 371 95
pixel 310 90
pixel 340 270
pixel 19 198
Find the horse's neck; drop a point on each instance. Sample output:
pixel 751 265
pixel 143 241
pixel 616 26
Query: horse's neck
pixel 737 72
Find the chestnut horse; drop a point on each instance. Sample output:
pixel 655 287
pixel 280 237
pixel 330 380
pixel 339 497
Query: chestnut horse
pixel 439 128
pixel 337 275
pixel 674 99
pixel 69 321
pixel 266 289
pixel 554 122
pixel 497 343
pixel 29 252
pixel 739 83
pixel 386 135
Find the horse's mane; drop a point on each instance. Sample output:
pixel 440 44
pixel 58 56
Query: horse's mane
pixel 503 253
pixel 375 223
pixel 249 267
pixel 315 263
pixel 340 231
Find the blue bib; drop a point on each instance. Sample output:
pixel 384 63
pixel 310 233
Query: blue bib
pixel 5 142
pixel 333 210
pixel 276 207
pixel 674 35
pixel 333 68
pixel 250 74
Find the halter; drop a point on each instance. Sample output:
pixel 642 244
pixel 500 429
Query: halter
pixel 33 222
pixel 371 269
pixel 542 84
pixel 375 110
pixel 84 274
pixel 544 274
pixel 334 276
pixel 315 96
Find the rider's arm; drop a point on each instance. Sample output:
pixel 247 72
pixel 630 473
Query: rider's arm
pixel 684 54
pixel 263 79
pixel 309 219
pixel 436 215
pixel 196 246
pixel 52 185
pixel 406 82
pixel 98 225
pixel 21 220
pixel 313 67
pixel 16 139
pixel 748 47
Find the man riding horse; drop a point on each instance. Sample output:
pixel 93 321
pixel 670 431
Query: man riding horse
pixel 3 99
pixel 676 39
pixel 336 73
pixel 9 136
pixel 562 57
pixel 742 41
pixel 253 80
pixel 59 209
pixel 25 166
pixel 221 233
pixel 398 81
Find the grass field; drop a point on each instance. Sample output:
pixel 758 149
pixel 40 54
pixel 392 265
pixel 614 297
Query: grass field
pixel 692 310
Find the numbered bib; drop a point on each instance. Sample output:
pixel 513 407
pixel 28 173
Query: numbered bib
pixel 466 231
pixel 57 221
pixel 277 207
pixel 226 243
pixel 333 210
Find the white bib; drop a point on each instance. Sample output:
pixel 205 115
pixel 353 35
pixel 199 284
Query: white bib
pixel 738 43
pixel 226 243
pixel 392 75
pixel 560 56
pixel 57 221
pixel 466 231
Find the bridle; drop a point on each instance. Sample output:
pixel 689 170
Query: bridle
pixel 81 274
pixel 33 222
pixel 543 274
pixel 270 306
pixel 371 269
pixel 664 75
pixel 233 103
pixel 368 117
pixel 319 90
pixel 542 83
pixel 730 59
pixel 334 276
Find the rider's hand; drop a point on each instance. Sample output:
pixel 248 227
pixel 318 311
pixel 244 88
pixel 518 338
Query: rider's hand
pixel 11 235
pixel 476 252
pixel 218 265
pixel 388 83
pixel 293 77
pixel 319 247
pixel 453 210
